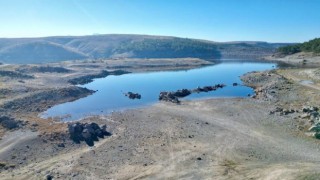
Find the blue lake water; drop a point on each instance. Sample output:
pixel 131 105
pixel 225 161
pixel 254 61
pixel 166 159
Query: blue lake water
pixel 110 95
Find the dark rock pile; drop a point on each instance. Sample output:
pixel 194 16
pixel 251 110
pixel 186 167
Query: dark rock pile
pixel 168 96
pixel 132 95
pixel 88 132
pixel 9 123
pixel 173 96
pixel 208 88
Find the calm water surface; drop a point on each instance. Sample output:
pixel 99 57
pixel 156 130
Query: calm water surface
pixel 110 96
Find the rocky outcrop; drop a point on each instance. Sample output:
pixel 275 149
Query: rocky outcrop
pixel 132 95
pixel 312 113
pixel 88 132
pixel 174 96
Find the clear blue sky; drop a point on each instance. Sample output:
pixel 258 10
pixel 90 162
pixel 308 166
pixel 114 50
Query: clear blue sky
pixel 217 20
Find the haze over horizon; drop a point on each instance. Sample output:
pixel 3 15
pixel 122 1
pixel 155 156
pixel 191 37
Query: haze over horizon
pixel 230 20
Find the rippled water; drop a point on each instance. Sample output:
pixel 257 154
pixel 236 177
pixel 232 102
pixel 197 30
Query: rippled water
pixel 110 96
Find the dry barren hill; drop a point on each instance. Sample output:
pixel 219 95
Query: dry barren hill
pixel 53 49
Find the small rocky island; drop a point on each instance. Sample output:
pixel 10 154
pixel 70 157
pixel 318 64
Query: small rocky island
pixel 132 95
pixel 174 96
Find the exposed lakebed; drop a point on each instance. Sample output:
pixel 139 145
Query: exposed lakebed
pixel 110 95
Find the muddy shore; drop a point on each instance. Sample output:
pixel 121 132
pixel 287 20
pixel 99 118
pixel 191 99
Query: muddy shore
pixel 204 139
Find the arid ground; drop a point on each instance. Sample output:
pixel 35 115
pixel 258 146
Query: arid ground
pixel 261 137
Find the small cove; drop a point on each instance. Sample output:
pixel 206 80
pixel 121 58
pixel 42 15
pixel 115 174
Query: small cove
pixel 110 90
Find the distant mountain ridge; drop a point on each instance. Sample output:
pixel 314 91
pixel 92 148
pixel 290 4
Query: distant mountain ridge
pixel 62 48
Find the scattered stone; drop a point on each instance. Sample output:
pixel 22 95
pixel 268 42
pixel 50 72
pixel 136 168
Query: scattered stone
pixel 199 158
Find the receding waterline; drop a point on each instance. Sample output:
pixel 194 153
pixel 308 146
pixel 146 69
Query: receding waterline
pixel 111 89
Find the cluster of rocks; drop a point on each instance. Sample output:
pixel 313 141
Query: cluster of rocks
pixel 174 96
pixel 9 123
pixel 312 113
pixel 282 111
pixel 168 96
pixel 132 95
pixel 88 132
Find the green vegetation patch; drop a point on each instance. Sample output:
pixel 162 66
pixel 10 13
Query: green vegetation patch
pixel 310 46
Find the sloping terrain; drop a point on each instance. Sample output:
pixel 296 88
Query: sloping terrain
pixel 32 52
pixel 53 49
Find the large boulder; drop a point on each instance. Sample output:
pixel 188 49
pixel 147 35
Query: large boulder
pixel 88 132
